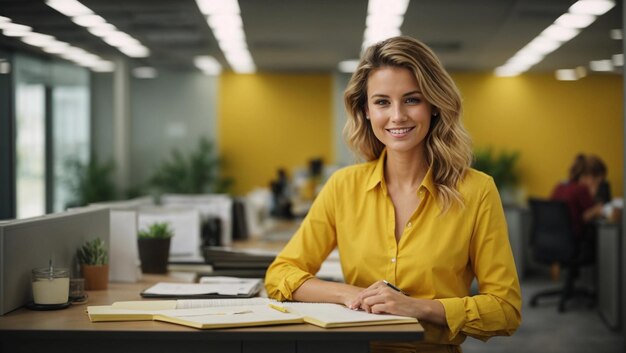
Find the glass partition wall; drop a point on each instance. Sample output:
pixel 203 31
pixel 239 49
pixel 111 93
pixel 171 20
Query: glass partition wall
pixel 52 127
pixel 30 123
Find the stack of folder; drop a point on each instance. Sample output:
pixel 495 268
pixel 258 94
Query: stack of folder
pixel 240 263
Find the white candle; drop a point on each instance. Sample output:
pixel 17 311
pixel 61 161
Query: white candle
pixel 51 291
pixel 51 286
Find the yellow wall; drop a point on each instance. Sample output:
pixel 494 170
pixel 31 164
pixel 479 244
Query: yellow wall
pixel 269 121
pixel 548 121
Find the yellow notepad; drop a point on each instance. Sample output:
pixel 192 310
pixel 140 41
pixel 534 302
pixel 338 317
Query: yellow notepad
pixel 224 313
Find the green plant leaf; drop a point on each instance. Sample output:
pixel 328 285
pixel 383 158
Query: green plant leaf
pixel 89 182
pixel 93 252
pixel 502 167
pixel 158 230
pixel 196 173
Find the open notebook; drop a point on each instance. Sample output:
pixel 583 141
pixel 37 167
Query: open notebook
pixel 209 287
pixel 223 313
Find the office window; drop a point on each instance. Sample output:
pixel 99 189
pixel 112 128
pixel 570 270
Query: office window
pixel 52 125
pixel 71 139
pixel 30 109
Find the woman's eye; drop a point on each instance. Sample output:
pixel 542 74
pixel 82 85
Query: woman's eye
pixel 413 100
pixel 381 102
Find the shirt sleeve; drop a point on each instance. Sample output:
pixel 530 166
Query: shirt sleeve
pixel 496 310
pixel 584 199
pixel 303 255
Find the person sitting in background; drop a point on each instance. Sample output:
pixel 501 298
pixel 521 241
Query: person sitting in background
pixel 585 176
pixel 602 194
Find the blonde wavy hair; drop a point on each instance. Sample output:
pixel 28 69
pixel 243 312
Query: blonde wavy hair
pixel 448 146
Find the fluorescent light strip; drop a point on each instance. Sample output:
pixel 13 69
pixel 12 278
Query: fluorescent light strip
pixel 384 19
pixel 145 72
pixel 618 60
pixel 224 19
pixel 616 34
pixel 579 16
pixel 208 65
pixel 348 66
pixel 69 8
pixel 570 74
pixel 98 26
pixel 601 65
pixel 51 45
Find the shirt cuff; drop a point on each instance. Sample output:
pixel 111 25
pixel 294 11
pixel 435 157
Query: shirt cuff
pixel 455 315
pixel 291 283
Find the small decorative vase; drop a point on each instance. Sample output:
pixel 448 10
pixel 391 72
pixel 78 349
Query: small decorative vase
pixel 96 276
pixel 154 254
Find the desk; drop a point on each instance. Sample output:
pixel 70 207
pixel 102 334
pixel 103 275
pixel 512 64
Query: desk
pixel 609 262
pixel 519 236
pixel 70 330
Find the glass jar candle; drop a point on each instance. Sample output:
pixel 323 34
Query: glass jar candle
pixel 51 285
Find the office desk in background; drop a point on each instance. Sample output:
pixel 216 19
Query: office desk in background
pixel 69 330
pixel 609 262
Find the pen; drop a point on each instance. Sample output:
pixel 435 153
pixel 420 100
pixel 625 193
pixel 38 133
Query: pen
pixel 393 287
pixel 278 307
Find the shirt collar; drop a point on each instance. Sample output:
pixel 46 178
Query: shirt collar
pixel 378 174
pixel 378 177
pixel 429 184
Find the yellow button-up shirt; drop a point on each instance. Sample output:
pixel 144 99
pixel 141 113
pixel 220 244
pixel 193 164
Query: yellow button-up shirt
pixel 437 256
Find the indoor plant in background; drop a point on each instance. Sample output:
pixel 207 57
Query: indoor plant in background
pixel 89 182
pixel 154 247
pixel 502 168
pixel 195 173
pixel 94 264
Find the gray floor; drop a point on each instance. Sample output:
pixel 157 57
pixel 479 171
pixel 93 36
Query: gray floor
pixel 579 329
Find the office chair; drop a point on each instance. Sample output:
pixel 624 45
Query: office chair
pixel 553 241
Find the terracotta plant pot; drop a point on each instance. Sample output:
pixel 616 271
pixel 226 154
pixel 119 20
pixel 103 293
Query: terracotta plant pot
pixel 96 276
pixel 154 254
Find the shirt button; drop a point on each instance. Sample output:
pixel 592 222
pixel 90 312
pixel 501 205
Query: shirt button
pixel 409 224
pixel 393 259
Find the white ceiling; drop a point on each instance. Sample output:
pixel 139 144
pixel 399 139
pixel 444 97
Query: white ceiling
pixel 314 35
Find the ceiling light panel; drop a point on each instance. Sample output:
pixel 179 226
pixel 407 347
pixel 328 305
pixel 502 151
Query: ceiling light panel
pixel 592 7
pixel 616 34
pixel 601 65
pixel 567 75
pixel 579 16
pixel 571 20
pixel 69 8
pixel 384 19
pixel 51 45
pixel 224 19
pixel 208 65
pixel 98 26
pixel 145 72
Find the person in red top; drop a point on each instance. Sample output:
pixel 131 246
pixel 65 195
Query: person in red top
pixel 585 175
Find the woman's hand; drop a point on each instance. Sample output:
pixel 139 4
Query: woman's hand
pixel 381 299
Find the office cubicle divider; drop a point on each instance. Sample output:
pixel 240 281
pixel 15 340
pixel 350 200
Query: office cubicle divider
pixel 124 265
pixel 209 205
pixel 184 222
pixel 30 243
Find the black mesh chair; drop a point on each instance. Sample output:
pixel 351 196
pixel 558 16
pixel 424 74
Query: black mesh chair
pixel 553 241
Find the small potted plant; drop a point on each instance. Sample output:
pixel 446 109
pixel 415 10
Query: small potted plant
pixel 94 264
pixel 154 247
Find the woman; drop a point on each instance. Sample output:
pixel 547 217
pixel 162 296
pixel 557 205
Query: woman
pixel 415 215
pixel 585 176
